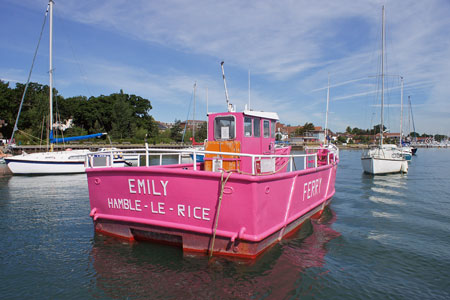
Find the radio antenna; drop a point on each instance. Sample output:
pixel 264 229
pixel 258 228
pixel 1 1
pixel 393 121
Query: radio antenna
pixel 229 105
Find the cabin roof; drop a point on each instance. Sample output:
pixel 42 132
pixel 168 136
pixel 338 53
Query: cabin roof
pixel 262 114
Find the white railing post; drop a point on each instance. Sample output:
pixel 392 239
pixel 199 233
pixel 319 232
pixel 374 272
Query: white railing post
pixel 195 160
pixel 179 158
pixel 291 162
pixel 253 165
pixel 160 159
pixel 305 162
pixel 146 154
pixel 315 160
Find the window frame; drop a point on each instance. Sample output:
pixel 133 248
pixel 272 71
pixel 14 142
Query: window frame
pixel 257 124
pixel 232 132
pixel 268 128
pixel 273 128
pixel 251 126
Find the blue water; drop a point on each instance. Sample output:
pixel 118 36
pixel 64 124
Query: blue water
pixel 384 237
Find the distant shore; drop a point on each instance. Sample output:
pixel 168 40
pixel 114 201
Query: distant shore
pixel 95 147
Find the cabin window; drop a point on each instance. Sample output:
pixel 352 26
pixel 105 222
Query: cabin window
pixel 266 128
pixel 247 126
pixel 272 133
pixel 224 128
pixel 256 127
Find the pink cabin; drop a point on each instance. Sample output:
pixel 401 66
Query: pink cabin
pixel 246 194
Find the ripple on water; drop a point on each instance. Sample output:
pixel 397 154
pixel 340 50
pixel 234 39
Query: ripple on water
pixel 385 200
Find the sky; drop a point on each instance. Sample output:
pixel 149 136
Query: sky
pixel 278 56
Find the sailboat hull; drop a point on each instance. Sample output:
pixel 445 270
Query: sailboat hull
pixel 60 162
pixel 384 160
pixel 383 166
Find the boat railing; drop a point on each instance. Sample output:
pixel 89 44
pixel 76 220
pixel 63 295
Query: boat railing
pixel 310 160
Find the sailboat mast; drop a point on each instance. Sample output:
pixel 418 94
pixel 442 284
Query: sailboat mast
pixel 382 78
pixel 409 116
pixel 326 114
pixel 207 111
pixel 401 113
pixel 193 115
pixel 412 116
pixel 51 71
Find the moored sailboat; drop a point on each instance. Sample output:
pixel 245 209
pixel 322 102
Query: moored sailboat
pixel 53 162
pixel 383 158
pixel 414 139
pixel 404 148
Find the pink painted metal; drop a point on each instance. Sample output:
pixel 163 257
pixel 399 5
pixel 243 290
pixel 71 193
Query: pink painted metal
pixel 176 204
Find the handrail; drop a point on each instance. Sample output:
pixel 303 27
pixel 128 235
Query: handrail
pixel 161 152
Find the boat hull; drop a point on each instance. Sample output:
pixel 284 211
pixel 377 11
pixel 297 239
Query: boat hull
pixel 384 160
pixel 59 162
pixel 177 205
pixel 407 156
pixel 383 166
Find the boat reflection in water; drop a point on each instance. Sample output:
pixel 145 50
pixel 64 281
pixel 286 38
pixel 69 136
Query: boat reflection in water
pixel 145 270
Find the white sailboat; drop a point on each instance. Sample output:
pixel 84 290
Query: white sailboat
pixel 329 146
pixel 53 162
pixel 384 158
pixel 406 149
pixel 410 141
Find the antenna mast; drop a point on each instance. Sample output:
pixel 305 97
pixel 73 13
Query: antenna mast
pixel 229 105
pixel 249 89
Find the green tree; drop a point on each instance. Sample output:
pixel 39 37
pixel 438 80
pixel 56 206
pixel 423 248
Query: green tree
pixel 305 128
pixel 414 134
pixel 376 129
pixel 176 131
pixel 439 137
pixel 342 139
pixel 122 123
pixel 120 114
pixel 202 133
pixel 9 106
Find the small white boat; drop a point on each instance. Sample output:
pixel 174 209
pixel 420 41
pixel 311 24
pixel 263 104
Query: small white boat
pixel 57 162
pixel 407 152
pixel 384 159
pixel 131 159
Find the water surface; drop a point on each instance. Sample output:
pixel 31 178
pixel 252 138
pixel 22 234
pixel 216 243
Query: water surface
pixel 384 237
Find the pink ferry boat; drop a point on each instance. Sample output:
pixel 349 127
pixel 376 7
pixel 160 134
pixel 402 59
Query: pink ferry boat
pixel 246 194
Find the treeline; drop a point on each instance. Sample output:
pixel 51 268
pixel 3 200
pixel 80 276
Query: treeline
pixel 376 129
pixel 122 116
